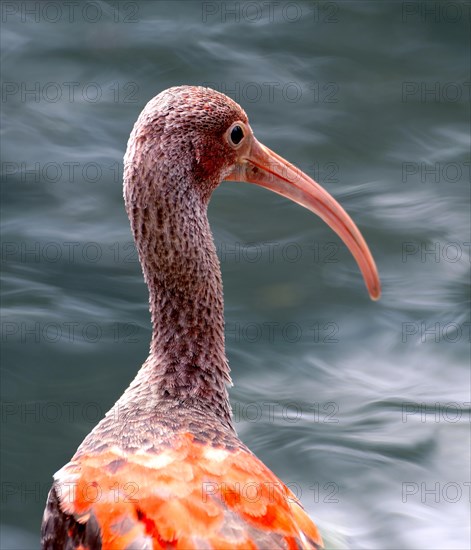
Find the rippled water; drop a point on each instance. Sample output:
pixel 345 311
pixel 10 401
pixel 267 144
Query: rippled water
pixel 363 408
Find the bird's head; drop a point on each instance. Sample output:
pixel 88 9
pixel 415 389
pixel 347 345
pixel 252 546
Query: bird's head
pixel 192 138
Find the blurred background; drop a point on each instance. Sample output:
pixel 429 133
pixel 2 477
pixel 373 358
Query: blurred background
pixel 362 408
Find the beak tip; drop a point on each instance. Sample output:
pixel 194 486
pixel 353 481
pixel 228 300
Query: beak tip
pixel 375 293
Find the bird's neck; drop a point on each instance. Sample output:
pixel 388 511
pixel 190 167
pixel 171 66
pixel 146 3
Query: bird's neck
pixel 187 363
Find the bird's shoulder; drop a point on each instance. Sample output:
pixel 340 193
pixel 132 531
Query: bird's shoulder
pixel 187 494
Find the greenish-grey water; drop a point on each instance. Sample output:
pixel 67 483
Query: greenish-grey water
pixel 361 407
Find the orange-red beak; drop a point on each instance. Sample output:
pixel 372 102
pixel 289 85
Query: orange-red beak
pixel 267 169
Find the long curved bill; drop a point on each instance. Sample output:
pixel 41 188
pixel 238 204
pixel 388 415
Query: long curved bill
pixel 267 169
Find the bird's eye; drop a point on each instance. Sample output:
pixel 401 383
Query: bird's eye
pixel 237 135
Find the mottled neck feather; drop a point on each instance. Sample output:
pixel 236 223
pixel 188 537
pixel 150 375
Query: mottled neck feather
pixel 187 363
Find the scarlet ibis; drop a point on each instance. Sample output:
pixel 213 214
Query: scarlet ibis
pixel 165 468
